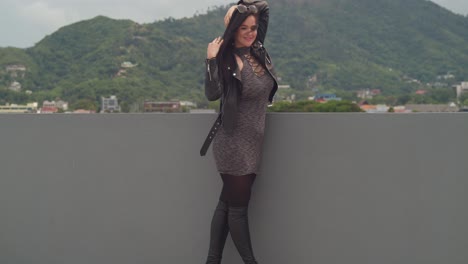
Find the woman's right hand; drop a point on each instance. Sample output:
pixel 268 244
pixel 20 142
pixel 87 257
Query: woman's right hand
pixel 213 48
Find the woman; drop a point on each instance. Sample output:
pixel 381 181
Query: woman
pixel 240 73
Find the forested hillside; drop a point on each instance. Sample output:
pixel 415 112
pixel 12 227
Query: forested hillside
pixel 341 46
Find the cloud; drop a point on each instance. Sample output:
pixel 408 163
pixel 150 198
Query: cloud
pixel 25 22
pixel 28 21
pixel 457 6
pixel 40 13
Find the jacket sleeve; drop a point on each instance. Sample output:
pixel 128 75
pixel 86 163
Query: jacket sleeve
pixel 263 18
pixel 213 89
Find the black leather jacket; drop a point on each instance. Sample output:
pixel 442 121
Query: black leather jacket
pixel 214 88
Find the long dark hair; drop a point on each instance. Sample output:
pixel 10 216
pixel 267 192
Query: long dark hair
pixel 226 59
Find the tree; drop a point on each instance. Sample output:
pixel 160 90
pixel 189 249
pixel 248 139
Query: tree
pixel 465 103
pixel 442 95
pixel 125 107
pixel 85 104
pixel 312 106
pixel 463 98
pixel 403 99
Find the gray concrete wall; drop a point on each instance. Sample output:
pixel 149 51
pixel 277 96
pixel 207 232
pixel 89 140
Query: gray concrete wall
pixel 334 188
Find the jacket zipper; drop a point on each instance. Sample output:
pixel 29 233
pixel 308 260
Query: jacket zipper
pixel 208 70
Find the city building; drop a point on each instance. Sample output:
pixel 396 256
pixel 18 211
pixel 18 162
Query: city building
pixel 284 86
pixel 84 111
pixel 368 108
pixel 446 76
pixel 401 109
pixel 15 86
pixel 326 97
pixel 127 64
pixel 421 92
pixel 62 105
pixel 53 104
pixel 15 108
pixel 368 93
pixel 15 69
pixel 110 105
pixel 462 88
pixel 432 108
pixel 48 110
pixel 165 107
pixel 188 104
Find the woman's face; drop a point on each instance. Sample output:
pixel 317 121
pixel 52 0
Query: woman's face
pixel 246 33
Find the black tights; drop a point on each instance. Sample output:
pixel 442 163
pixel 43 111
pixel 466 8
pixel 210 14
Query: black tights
pixel 236 189
pixel 231 216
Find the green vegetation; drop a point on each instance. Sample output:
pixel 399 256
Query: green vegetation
pixel 337 46
pixel 433 96
pixel 464 99
pixel 312 106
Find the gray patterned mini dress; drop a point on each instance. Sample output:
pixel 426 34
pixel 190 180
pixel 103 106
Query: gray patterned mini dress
pixel 239 153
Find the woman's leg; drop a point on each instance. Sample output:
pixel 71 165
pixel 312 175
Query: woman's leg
pixel 218 235
pixel 236 191
pixel 231 215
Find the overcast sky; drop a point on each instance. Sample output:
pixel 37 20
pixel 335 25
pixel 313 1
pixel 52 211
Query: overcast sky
pixel 25 22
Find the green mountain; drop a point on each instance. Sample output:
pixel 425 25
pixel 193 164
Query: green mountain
pixel 342 46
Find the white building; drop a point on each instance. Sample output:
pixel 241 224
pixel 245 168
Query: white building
pixel 15 86
pixel 59 104
pixel 188 104
pixel 110 104
pixel 379 109
pixel 15 108
pixel 127 64
pixel 15 69
pixel 62 105
pixel 462 88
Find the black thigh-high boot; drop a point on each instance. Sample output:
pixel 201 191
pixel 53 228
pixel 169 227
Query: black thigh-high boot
pixel 219 232
pixel 239 227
